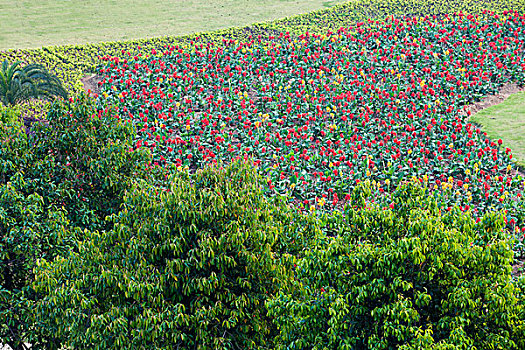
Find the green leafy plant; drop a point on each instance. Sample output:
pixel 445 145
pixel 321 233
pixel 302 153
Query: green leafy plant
pixel 9 115
pixel 65 178
pixel 408 277
pixel 83 159
pixel 18 84
pixel 28 232
pixel 190 267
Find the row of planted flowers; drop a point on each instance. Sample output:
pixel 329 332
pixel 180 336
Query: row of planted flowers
pixel 318 114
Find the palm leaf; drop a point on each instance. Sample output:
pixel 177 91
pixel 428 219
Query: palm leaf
pixel 18 84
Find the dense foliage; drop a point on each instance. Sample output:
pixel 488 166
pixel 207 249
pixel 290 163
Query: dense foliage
pixel 68 176
pixel 405 277
pixel 190 267
pixel 312 182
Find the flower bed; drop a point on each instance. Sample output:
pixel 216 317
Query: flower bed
pixel 319 113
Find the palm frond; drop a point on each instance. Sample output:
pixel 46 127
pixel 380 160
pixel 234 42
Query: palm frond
pixel 18 84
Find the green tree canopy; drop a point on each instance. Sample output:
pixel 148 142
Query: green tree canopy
pixel 189 268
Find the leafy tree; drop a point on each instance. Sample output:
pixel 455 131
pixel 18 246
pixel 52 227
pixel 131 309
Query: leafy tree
pixel 18 84
pixel 186 268
pixel 67 177
pixel 409 278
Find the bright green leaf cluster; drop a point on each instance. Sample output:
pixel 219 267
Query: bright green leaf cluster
pixel 409 277
pixel 189 267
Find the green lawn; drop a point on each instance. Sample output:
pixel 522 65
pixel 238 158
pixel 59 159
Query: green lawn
pixel 506 121
pixel 36 23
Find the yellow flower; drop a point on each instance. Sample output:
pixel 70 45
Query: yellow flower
pixel 188 127
pixel 465 186
pixel 467 172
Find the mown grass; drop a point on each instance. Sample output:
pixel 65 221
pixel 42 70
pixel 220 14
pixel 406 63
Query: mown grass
pixel 506 121
pixel 37 23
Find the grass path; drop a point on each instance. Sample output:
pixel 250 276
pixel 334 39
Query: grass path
pixel 37 23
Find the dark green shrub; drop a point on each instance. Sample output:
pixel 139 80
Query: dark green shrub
pixel 68 176
pixel 410 277
pixel 83 159
pixel 28 232
pixel 186 268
